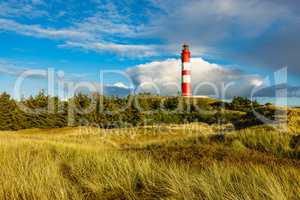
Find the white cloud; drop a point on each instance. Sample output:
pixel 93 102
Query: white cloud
pixel 164 77
pixel 38 31
pixel 21 8
pixel 88 35
pixel 121 49
pixel 10 69
pixel 120 85
pixel 102 24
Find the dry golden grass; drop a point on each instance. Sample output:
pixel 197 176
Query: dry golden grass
pixel 167 162
pixel 294 120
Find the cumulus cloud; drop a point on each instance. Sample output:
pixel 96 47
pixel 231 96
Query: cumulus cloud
pixel 164 78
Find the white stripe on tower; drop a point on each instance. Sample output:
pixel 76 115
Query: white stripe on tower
pixel 186 66
pixel 186 78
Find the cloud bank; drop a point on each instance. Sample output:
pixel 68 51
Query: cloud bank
pixel 164 78
pixel 251 32
pixel 208 79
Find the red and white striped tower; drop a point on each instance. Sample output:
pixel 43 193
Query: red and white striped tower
pixel 186 86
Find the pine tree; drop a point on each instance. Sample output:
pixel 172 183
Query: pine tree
pixel 9 114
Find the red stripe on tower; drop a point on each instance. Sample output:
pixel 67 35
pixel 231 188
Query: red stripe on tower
pixel 186 87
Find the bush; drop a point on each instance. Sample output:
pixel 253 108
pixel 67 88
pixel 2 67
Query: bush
pixel 295 142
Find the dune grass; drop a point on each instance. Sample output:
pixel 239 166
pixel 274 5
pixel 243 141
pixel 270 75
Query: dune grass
pixel 156 163
pixel 294 120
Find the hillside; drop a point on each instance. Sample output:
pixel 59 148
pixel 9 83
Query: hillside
pixel 155 162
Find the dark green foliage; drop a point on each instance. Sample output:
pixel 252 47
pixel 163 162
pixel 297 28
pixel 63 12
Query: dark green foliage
pixel 295 142
pixel 242 104
pixel 219 138
pixel 43 111
pixel 252 110
pixel 10 118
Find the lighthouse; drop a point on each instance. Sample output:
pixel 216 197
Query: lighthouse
pixel 186 85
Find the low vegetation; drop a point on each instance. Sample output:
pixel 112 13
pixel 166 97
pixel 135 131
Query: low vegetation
pixel 155 162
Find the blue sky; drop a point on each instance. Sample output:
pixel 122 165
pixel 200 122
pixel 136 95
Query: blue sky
pixel 244 38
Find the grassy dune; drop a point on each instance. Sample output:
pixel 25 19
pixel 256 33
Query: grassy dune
pixel 167 162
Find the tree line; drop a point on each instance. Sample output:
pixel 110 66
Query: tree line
pixel 43 111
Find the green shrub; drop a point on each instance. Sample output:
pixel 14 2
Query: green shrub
pixel 295 142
